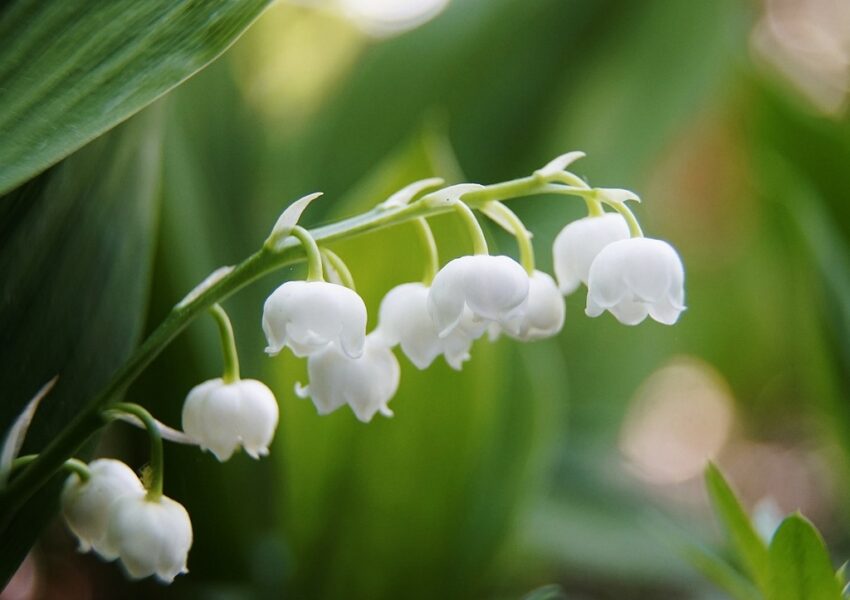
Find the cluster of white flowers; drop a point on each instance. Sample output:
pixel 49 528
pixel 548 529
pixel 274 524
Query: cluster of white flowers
pixel 111 513
pixel 631 277
pixel 110 510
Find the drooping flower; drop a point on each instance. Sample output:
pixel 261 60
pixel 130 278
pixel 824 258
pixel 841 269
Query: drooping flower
pixel 86 504
pixel 578 244
pixel 150 536
pixel 634 278
pixel 491 288
pixel 308 316
pixel 224 416
pixel 404 319
pixel 544 311
pixel 366 384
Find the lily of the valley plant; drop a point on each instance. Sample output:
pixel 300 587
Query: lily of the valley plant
pixel 120 516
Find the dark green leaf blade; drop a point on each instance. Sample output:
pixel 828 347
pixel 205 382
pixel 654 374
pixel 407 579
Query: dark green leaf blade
pixel 800 568
pixel 750 547
pixel 76 247
pixel 71 70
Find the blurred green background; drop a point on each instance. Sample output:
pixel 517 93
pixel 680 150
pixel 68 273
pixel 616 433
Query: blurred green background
pixel 574 461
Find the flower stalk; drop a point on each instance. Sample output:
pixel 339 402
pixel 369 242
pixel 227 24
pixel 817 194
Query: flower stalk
pixel 157 466
pixel 432 261
pixel 228 344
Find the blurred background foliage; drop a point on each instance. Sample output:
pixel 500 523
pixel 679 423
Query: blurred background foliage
pixel 576 460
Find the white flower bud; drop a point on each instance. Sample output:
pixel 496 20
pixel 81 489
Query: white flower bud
pixel 151 537
pixel 223 416
pixel 634 278
pixel 404 319
pixel 543 315
pixel 578 244
pixel 86 504
pixel 492 288
pixel 366 383
pixel 307 316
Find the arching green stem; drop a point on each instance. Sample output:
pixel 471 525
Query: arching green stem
pixel 228 344
pixel 629 216
pixel 432 261
pixel 311 249
pixel 334 261
pixel 156 463
pixel 72 464
pixel 479 242
pixel 526 250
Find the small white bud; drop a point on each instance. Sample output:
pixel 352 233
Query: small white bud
pixel 308 316
pixel 578 244
pixel 366 384
pixel 492 288
pixel 544 311
pixel 221 417
pixel 151 537
pixel 634 278
pixel 86 504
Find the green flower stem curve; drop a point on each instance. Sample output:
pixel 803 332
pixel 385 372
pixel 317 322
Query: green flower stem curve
pixel 432 261
pixel 157 462
pixel 523 237
pixel 228 344
pixel 335 261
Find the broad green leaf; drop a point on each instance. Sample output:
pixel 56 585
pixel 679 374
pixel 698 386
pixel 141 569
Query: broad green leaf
pixel 70 70
pixel 750 548
pixel 800 568
pixel 76 247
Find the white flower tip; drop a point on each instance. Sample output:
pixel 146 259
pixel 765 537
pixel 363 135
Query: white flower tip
pixel 302 391
pixel 617 195
pixel 451 194
pixel 386 411
pixel 271 351
pixel 404 196
pixel 289 217
pixel 559 163
pixel 211 279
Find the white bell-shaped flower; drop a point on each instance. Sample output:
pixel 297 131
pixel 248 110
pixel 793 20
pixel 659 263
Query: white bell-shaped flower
pixel 637 277
pixel 404 320
pixel 221 417
pixel 578 244
pixel 366 384
pixel 308 316
pixel 491 288
pixel 86 504
pixel 151 537
pixel 544 311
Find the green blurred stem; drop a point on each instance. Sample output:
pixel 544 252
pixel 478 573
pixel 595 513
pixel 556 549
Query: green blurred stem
pixel 264 261
pixel 152 427
pixel 476 234
pixel 432 262
pixel 314 256
pixel 72 464
pixel 334 261
pixel 228 344
pixel 522 235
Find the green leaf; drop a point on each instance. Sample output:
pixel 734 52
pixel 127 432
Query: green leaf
pixel 750 548
pixel 800 568
pixel 71 70
pixel 721 573
pixel 76 247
